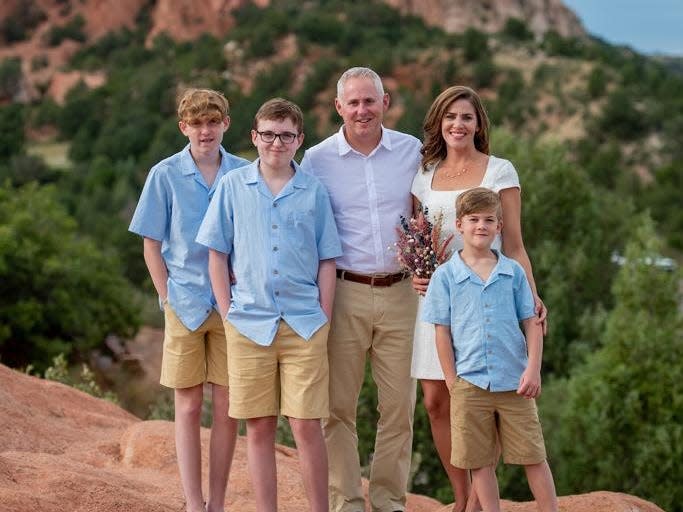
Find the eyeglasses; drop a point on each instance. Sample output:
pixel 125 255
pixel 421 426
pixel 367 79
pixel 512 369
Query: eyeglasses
pixel 285 137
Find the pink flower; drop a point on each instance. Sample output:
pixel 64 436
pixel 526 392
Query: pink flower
pixel 419 248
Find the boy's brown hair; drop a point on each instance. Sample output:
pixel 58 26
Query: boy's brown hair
pixel 478 200
pixel 198 103
pixel 279 109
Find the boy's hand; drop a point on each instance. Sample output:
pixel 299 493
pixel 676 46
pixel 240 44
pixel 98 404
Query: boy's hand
pixel 420 285
pixel 450 379
pixel 530 384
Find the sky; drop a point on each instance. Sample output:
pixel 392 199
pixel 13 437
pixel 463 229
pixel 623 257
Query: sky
pixel 647 26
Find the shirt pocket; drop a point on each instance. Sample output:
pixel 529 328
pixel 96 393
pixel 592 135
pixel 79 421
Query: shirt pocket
pixel 300 227
pixel 502 300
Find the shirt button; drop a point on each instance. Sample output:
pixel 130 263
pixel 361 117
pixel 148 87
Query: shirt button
pixel 274 226
pixel 275 272
pixel 274 205
pixel 277 294
pixel 275 248
pixel 488 320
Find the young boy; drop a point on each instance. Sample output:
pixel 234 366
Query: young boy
pixel 477 300
pixel 275 226
pixel 172 205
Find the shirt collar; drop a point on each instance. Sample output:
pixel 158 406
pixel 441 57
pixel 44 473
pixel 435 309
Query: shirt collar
pixel 252 175
pixel 461 271
pixel 344 147
pixel 189 167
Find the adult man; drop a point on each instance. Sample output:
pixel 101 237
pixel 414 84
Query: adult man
pixel 368 171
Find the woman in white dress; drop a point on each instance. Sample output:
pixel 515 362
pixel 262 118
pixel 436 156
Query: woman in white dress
pixel 455 158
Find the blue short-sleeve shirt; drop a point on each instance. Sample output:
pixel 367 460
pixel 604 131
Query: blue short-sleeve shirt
pixel 275 245
pixel 489 346
pixel 171 208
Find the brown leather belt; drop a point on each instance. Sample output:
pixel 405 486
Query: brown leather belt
pixel 372 280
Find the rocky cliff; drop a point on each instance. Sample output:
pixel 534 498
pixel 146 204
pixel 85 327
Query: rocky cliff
pixel 61 449
pixel 541 16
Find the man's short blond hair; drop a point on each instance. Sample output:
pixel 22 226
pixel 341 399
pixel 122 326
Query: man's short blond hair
pixel 478 200
pixel 197 103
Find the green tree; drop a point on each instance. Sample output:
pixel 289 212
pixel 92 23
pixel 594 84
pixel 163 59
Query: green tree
pixel 11 130
pixel 58 291
pixel 617 422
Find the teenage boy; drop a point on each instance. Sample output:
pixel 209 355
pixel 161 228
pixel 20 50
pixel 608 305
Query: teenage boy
pixel 275 227
pixel 368 171
pixel 172 205
pixel 476 301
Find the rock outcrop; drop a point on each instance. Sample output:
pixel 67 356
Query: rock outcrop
pixel 188 19
pixel 61 449
pixel 456 16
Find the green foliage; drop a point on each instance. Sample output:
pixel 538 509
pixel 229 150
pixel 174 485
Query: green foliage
pixel 21 169
pixel 621 118
pixel 660 195
pixel 516 29
pixel 73 30
pixel 21 22
pixel 10 77
pixel 597 83
pixel 85 381
pixel 571 227
pixel 474 45
pixel 58 291
pixel 555 44
pixel 11 130
pixel 630 392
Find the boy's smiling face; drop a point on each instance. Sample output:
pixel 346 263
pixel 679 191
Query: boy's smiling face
pixel 205 132
pixel 276 155
pixel 479 229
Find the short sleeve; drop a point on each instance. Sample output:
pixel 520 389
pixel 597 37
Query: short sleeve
pixel 329 245
pixel 505 177
pixel 524 298
pixel 437 303
pixel 421 183
pixel 153 212
pixel 217 229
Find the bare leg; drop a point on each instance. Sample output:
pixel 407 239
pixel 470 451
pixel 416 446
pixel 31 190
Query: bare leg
pixel 542 486
pixel 437 403
pixel 221 449
pixel 486 485
pixel 310 444
pixel 261 461
pixel 188 408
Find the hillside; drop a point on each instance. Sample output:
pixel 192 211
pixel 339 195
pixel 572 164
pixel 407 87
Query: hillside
pixel 593 130
pixel 64 450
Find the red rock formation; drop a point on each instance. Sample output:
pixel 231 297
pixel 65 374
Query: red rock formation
pixel 491 15
pixel 61 449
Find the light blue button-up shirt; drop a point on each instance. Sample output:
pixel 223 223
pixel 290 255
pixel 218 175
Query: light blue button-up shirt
pixel 171 208
pixel 490 348
pixel 275 246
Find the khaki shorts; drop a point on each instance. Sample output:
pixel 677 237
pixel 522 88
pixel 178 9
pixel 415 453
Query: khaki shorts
pixel 193 357
pixel 290 377
pixel 479 418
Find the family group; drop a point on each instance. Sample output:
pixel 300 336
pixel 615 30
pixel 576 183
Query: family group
pixel 279 280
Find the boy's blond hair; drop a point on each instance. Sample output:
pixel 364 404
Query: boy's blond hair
pixel 478 200
pixel 197 103
pixel 279 109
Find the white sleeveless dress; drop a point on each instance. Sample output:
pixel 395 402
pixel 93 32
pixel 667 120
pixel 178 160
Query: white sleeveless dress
pixel 500 174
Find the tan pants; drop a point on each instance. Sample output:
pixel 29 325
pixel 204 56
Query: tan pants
pixel 374 322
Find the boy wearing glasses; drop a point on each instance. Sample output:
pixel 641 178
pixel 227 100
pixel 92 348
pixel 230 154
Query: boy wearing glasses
pixel 273 226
